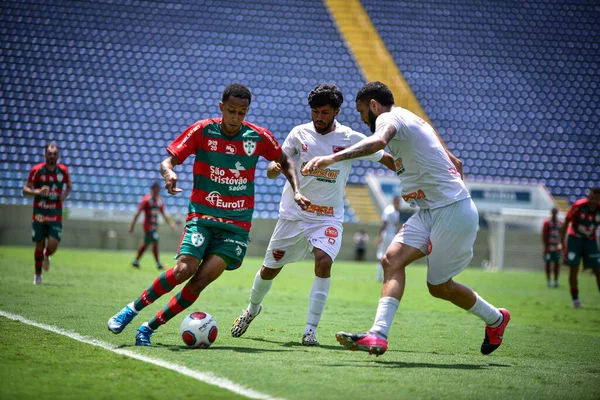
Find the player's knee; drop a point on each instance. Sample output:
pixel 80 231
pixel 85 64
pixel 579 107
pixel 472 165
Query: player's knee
pixel 186 267
pixel 441 291
pixel 269 273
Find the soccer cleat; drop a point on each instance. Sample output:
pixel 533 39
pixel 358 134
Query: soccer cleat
pixel 576 303
pixel 37 279
pixel 365 341
pixel 242 322
pixel 46 263
pixel 120 320
pixel 310 339
pixel 142 337
pixel 493 336
pixel 136 263
pixel 160 266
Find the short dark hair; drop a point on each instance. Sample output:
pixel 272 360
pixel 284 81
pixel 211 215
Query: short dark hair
pixel 595 190
pixel 377 91
pixel 237 90
pixel 50 144
pixel 325 94
pixel 154 184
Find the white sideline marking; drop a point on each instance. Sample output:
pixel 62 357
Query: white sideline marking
pixel 205 377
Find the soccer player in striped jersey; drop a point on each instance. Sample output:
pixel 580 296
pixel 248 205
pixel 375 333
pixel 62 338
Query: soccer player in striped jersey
pixel 151 205
pixel 581 223
pixel 50 184
pixel 552 246
pixel 215 236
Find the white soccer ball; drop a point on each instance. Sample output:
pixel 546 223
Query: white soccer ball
pixel 199 329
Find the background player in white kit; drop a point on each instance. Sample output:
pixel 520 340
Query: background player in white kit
pixel 390 223
pixel 444 227
pixel 318 229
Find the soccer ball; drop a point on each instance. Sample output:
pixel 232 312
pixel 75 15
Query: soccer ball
pixel 199 330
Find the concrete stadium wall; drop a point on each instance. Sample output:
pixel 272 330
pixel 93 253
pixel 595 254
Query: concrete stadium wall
pixel 15 229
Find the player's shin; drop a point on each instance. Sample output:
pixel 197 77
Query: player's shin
pixel 487 312
pixel 386 310
pixel 178 303
pixel 316 302
pixel 38 256
pixel 260 288
pixel 163 284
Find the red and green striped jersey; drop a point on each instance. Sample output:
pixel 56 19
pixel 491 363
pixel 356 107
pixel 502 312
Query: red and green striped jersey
pixel 551 234
pixel 48 208
pixel 151 207
pixel 584 221
pixel 224 170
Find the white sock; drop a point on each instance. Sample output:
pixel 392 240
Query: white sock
pixel 316 302
pixel 260 288
pixel 386 310
pixel 379 272
pixel 487 312
pixel 132 306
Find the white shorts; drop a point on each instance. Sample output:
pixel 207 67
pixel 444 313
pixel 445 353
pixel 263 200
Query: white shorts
pixel 292 241
pixel 447 234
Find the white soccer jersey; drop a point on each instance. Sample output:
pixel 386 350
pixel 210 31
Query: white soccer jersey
pixel 391 217
pixel 429 179
pixel 325 186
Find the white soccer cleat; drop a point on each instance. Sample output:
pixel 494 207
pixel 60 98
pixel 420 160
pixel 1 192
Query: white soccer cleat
pixel 37 279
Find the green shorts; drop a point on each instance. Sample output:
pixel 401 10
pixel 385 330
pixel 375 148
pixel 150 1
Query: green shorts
pixel 43 230
pixel 552 256
pixel 198 240
pixel 151 236
pixel 585 249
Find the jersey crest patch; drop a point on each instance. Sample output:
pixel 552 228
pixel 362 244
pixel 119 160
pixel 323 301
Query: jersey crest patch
pixel 338 148
pixel 331 232
pixel 278 254
pixel 249 147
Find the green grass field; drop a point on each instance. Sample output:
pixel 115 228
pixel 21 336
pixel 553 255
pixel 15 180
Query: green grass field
pixel 550 350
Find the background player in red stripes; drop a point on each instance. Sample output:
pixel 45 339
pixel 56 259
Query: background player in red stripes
pixel 216 233
pixel 581 223
pixel 552 246
pixel 151 205
pixel 50 184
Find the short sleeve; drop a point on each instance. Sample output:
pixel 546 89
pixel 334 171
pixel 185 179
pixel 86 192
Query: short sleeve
pixel 572 213
pixel 66 175
pixel 187 143
pixel 32 174
pixel 270 147
pixel 389 118
pixel 142 205
pixel 290 145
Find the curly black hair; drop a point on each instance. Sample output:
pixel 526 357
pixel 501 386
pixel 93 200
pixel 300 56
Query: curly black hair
pixel 237 90
pixel 325 94
pixel 378 91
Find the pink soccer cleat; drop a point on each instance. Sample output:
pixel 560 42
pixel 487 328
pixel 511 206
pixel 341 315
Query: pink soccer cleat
pixel 493 336
pixel 365 341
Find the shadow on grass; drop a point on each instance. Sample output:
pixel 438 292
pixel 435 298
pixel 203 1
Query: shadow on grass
pixel 401 364
pixel 238 349
pixel 294 344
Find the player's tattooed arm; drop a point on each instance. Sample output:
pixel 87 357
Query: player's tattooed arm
pixel 365 147
pixel 167 171
pixel 289 170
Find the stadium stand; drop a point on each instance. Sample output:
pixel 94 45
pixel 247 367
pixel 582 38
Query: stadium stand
pixel 113 83
pixel 512 89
